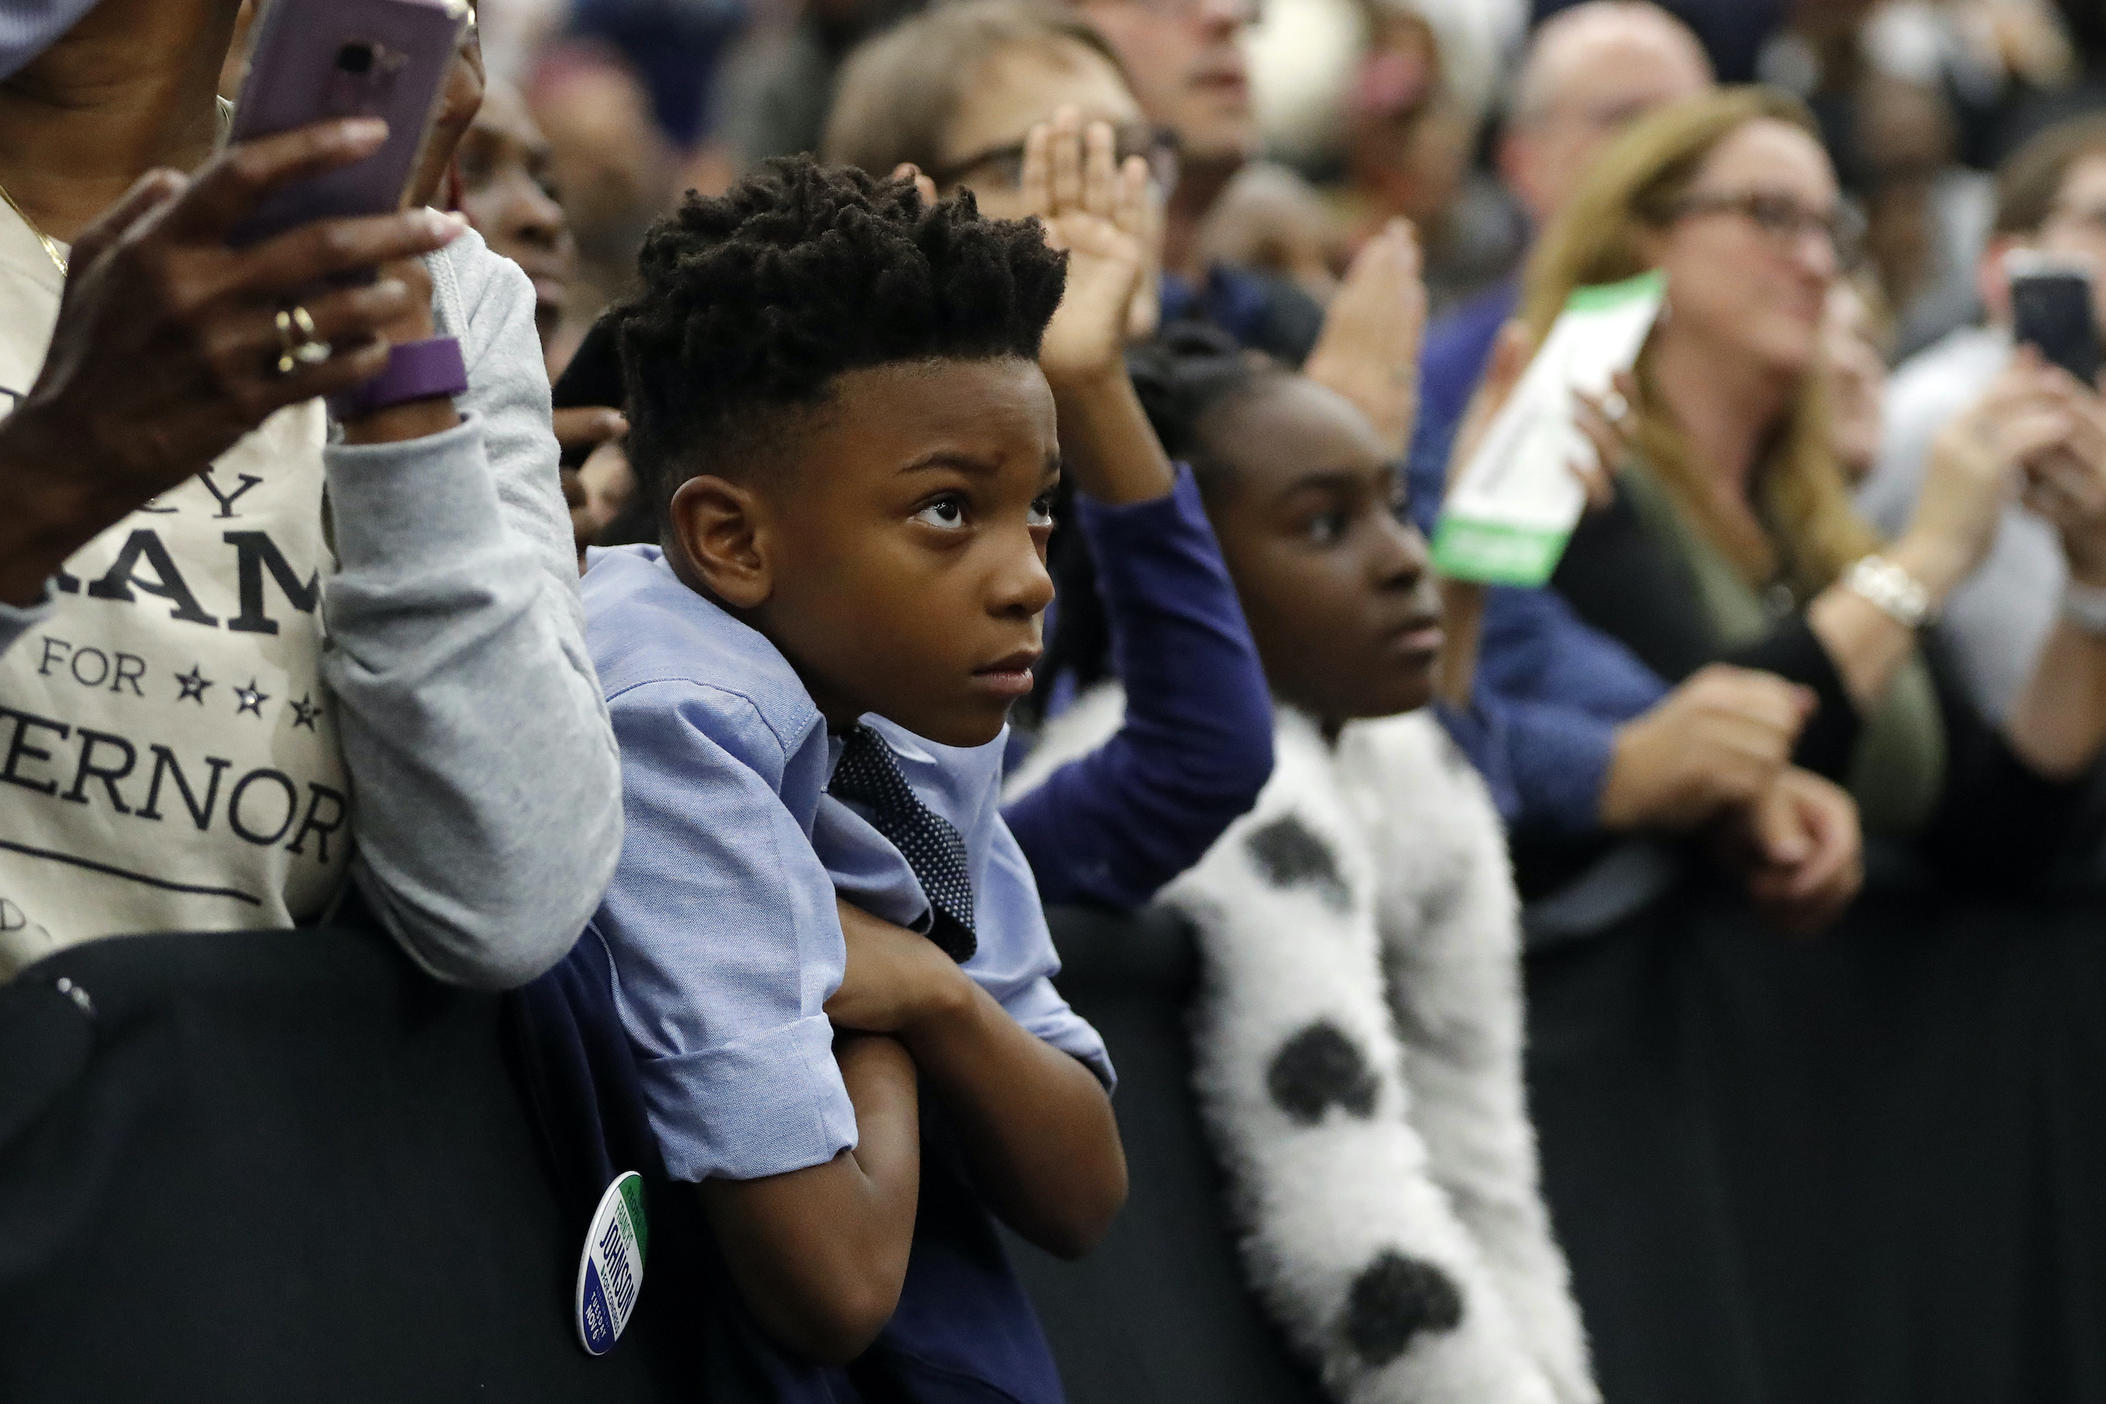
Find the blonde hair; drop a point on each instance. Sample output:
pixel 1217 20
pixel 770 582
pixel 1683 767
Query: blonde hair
pixel 1632 189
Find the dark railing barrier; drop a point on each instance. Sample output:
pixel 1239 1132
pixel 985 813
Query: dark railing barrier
pixel 275 1166
pixel 1159 1311
pixel 1868 1168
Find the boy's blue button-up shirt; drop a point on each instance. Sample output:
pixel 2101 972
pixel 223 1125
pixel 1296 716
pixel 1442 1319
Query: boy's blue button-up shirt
pixel 720 923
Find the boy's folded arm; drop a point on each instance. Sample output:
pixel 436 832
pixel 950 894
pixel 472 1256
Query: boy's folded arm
pixel 1035 1123
pixel 820 1254
pixel 725 944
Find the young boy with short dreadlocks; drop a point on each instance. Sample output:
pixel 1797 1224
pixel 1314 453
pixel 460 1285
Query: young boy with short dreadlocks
pixel 819 918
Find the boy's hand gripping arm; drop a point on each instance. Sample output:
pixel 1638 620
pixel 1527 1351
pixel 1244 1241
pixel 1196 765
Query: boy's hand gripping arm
pixel 1035 1124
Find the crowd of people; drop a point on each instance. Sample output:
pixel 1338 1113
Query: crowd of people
pixel 800 490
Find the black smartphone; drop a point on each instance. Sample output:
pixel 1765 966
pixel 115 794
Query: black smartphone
pixel 2051 308
pixel 593 377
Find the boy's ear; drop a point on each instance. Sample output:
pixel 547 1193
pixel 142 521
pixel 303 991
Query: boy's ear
pixel 720 527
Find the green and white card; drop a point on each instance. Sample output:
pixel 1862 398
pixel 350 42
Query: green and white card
pixel 1510 512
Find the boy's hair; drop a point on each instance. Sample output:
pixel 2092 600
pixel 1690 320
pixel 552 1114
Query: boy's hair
pixel 900 90
pixel 751 304
pixel 2030 180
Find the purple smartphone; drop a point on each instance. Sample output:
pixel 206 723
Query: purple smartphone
pixel 313 60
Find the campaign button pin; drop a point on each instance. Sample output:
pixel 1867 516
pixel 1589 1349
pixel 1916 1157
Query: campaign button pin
pixel 610 1273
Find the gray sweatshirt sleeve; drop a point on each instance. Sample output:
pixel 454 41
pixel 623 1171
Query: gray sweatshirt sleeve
pixel 488 787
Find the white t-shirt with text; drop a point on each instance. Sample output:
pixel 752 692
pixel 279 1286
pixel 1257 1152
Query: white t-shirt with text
pixel 169 759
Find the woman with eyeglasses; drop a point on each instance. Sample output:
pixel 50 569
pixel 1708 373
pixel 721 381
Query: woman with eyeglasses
pixel 1733 538
pixel 1801 1170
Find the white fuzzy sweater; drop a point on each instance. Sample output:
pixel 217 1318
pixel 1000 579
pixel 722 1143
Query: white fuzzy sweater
pixel 1358 1061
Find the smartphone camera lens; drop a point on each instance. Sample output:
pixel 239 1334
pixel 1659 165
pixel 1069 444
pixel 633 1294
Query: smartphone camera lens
pixel 355 59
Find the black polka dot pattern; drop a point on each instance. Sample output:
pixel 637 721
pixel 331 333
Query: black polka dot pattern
pixel 1320 1068
pixel 1394 1300
pixel 869 775
pixel 1289 854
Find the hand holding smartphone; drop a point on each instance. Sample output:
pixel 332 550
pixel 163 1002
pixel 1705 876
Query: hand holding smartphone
pixel 2051 308
pixel 316 60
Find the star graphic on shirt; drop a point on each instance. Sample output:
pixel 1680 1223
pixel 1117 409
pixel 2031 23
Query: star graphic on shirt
pixel 248 699
pixel 305 711
pixel 193 684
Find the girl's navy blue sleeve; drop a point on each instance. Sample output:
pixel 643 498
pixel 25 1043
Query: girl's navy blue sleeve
pixel 1111 828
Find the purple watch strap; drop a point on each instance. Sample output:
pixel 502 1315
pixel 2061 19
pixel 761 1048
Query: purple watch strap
pixel 417 370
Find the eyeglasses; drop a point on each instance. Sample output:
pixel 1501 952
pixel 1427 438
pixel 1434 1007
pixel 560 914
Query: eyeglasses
pixel 1783 220
pixel 1004 165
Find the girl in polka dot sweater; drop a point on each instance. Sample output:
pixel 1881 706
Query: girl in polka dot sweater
pixel 1358 1030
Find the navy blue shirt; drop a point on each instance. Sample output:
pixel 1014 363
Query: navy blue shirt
pixel 1112 828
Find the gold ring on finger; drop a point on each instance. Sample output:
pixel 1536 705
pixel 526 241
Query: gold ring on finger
pixel 297 343
pixel 288 343
pixel 311 350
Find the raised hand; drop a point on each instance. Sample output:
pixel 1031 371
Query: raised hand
pixel 1110 221
pixel 1369 348
pixel 1101 213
